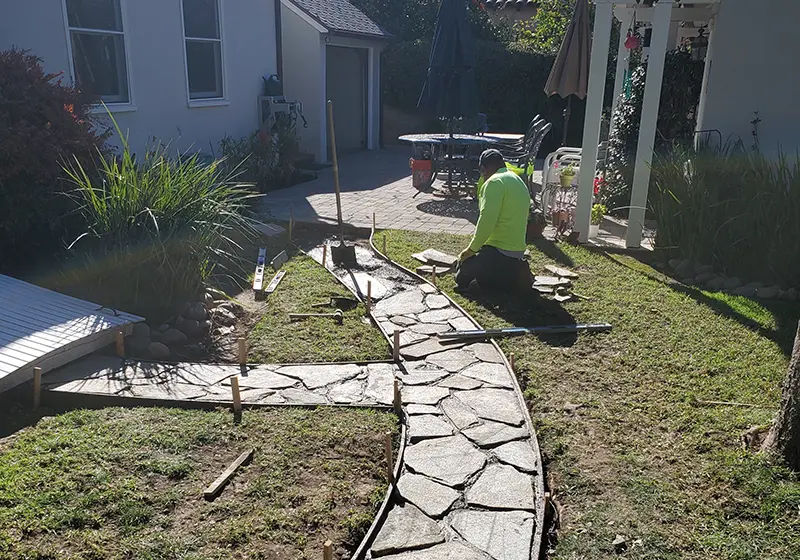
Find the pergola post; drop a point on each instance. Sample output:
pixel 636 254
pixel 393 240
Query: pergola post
pixel 647 128
pixel 603 20
pixel 623 66
pixel 701 110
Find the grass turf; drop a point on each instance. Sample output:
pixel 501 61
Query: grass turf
pixel 628 449
pixel 127 483
pixel 276 339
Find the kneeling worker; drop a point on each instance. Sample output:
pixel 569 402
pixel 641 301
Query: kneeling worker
pixel 496 255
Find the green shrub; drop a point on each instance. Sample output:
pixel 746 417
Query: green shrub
pixel 267 161
pixel 43 123
pixel 154 231
pixel 732 208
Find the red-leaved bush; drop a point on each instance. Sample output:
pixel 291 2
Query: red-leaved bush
pixel 44 124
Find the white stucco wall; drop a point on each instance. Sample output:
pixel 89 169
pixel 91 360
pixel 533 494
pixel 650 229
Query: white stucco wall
pixel 157 72
pixel 755 67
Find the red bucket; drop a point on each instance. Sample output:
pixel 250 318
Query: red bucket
pixel 421 173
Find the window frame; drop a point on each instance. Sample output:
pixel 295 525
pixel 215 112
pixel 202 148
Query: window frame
pixel 114 107
pixel 206 101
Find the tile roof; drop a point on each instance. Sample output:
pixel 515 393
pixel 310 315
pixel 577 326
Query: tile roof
pixel 341 17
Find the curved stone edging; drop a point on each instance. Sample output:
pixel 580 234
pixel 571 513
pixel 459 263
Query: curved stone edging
pixel 538 538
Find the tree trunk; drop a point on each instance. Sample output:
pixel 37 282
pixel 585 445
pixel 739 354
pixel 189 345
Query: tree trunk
pixel 784 437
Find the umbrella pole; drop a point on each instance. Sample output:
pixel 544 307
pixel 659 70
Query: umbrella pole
pixel 567 115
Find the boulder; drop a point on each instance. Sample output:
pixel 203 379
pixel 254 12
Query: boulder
pixel 184 308
pixel 197 312
pixel 208 299
pixel 768 293
pixel 223 316
pixel 789 295
pixel 731 283
pixel 205 327
pixel 190 327
pixel 745 291
pixel 715 283
pixel 685 269
pixel 688 281
pixel 703 269
pixel 673 263
pixel 137 344
pixel 173 336
pixel 158 351
pixel 141 330
pixel 163 328
pixel 704 277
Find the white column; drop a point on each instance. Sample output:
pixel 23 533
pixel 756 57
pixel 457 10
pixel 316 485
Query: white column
pixel 647 128
pixel 701 110
pixel 603 19
pixel 323 122
pixel 623 65
pixel 372 102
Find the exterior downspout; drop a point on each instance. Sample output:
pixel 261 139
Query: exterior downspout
pixel 278 41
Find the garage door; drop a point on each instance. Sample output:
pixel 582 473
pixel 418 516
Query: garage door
pixel 346 87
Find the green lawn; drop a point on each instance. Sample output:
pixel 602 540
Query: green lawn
pixel 276 339
pixel 127 483
pixel 628 449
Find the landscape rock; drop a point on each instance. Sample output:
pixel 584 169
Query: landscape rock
pixel 428 427
pixel 439 315
pixel 684 269
pixel 431 497
pixel 158 351
pixel 349 392
pixel 452 360
pixel 459 414
pixel 163 328
pixel 518 454
pixel 494 374
pixel 315 376
pixel 731 283
pixel 460 382
pixel 380 383
pixel 137 344
pixel 502 487
pixel 205 327
pixel 410 301
pixel 190 327
pixel 424 395
pixel 173 337
pixel 198 312
pixel 406 528
pixel 503 535
pixel 768 293
pixel 489 434
pixel 403 321
pixel 754 285
pixel 462 324
pixel 744 291
pixel 493 404
pixel 704 277
pixel 716 283
pixel 485 352
pixel 223 316
pixel 703 269
pixel 673 263
pixel 789 295
pixel 450 460
pixel 184 308
pixel 436 301
pixel 141 330
pixel 427 289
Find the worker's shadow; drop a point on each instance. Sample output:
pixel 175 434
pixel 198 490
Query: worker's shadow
pixel 527 311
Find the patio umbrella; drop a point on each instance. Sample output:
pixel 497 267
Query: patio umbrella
pixel 570 73
pixel 450 90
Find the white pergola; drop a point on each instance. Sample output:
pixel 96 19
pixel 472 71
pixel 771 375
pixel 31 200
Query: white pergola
pixel 662 15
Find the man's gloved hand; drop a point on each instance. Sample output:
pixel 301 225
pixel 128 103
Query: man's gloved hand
pixel 466 254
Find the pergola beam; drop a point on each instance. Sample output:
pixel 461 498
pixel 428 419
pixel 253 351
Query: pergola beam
pixel 678 14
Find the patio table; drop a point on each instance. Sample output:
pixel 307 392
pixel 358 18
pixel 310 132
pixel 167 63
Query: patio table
pixel 441 150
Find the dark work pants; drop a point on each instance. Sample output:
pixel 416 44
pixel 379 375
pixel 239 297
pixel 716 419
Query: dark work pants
pixel 494 272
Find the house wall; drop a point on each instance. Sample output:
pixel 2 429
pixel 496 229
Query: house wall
pixel 754 67
pixel 304 78
pixel 157 71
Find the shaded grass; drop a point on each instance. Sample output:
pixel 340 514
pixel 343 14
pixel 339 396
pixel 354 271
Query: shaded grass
pixel 276 339
pixel 638 457
pixel 117 483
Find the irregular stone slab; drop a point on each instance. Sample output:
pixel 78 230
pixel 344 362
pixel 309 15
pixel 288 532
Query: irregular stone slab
pixel 448 551
pixel 171 391
pixel 410 301
pixel 462 324
pixel 316 376
pixel 349 392
pixel 403 321
pixel 503 535
pixel 379 289
pixel 436 301
pixel 406 528
pixel 273 399
pixel 493 404
pixel 460 382
pixel 416 409
pixel 551 281
pixel 432 256
pixel 301 396
pixel 450 460
pixel 260 378
pixel 459 414
pixel 428 427
pixel 440 315
pixel 92 386
pixel 428 347
pixel 518 454
pixel 452 360
pixel 431 497
pixel 423 377
pixel 502 487
pixel 485 352
pixel 489 434
pixel 253 395
pixel 429 328
pixel 561 272
pixel 428 289
pixel 409 337
pixel 494 374
pixel 380 383
pixel 424 395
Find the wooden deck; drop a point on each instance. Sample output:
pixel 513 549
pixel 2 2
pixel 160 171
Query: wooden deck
pixel 42 328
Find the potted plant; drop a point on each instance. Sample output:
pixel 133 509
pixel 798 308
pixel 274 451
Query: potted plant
pixel 536 225
pixel 567 175
pixel 598 213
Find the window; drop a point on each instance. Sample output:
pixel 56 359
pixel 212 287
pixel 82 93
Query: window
pixel 98 48
pixel 201 31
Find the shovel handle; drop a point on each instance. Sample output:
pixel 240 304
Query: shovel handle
pixel 332 137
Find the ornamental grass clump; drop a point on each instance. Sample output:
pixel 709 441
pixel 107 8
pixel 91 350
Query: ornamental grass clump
pixel 155 231
pixel 731 207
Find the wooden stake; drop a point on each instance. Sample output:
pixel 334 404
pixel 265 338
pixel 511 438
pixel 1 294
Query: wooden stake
pixel 327 552
pixel 237 397
pixel 369 295
pixel 433 276
pixel 384 244
pixel 37 387
pixel 397 400
pixel 325 255
pixel 387 444
pixel 511 361
pixel 216 487
pixel 120 341
pixel 243 351
pixel 396 349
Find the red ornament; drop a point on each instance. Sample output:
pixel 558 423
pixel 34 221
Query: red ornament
pixel 632 42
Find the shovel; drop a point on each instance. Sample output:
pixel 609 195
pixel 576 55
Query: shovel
pixel 342 255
